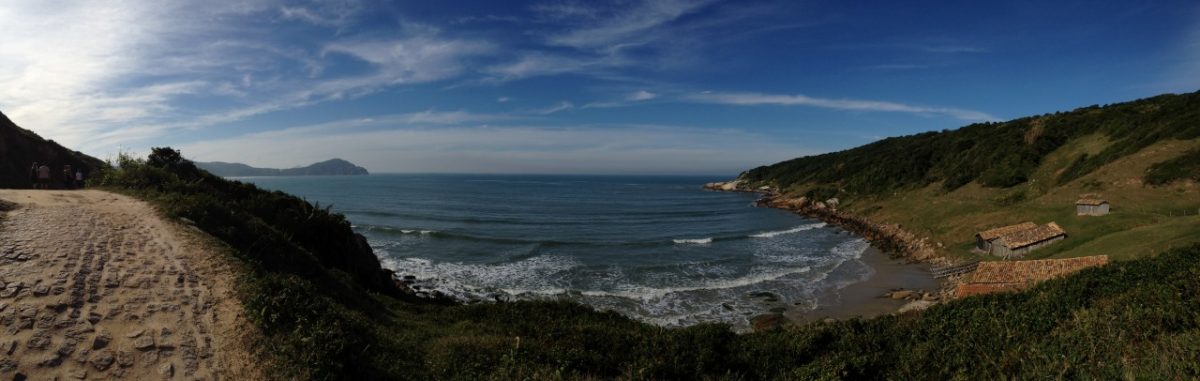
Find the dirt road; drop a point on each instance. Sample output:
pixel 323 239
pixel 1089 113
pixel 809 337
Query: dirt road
pixel 95 285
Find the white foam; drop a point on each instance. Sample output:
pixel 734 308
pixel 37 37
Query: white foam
pixel 693 241
pixel 645 293
pixel 789 231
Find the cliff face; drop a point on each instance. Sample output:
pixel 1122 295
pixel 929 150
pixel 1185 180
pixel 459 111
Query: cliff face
pixel 19 148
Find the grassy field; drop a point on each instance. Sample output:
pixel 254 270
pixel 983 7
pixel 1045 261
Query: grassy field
pixel 1144 220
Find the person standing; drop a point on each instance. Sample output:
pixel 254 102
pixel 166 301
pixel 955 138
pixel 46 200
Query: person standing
pixel 68 177
pixel 79 178
pixel 33 178
pixel 44 176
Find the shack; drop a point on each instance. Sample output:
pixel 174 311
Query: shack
pixel 1091 207
pixel 983 240
pixel 1022 242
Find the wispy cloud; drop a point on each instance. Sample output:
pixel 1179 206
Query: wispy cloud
pixel 751 99
pixel 560 106
pixel 606 28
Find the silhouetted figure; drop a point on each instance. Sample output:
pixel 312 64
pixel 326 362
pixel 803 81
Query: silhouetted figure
pixel 33 179
pixel 79 179
pixel 68 177
pixel 44 176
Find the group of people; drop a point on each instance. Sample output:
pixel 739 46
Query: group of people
pixel 42 177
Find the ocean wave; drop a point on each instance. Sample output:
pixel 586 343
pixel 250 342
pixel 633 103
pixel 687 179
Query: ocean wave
pixel 693 241
pixel 649 293
pixel 797 229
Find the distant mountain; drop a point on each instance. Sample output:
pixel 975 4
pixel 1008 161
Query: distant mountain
pixel 19 148
pixel 332 167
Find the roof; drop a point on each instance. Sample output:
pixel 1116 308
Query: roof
pixel 988 235
pixel 1091 201
pixel 1004 276
pixel 1022 272
pixel 1019 239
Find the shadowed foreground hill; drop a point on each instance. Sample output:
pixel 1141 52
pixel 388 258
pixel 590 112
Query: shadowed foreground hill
pixel 323 320
pixel 19 148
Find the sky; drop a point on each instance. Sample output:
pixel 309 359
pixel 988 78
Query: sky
pixel 560 86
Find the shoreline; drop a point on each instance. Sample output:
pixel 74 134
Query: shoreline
pixel 870 297
pixel 899 259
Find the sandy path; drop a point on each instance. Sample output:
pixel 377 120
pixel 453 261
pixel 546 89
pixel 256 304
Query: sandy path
pixel 95 285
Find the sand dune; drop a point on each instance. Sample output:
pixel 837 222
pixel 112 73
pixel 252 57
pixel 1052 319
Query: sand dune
pixel 97 285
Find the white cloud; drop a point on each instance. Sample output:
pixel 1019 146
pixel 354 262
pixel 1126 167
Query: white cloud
pixel 384 145
pixel 415 59
pixel 641 95
pixel 749 99
pixel 626 25
pixel 560 106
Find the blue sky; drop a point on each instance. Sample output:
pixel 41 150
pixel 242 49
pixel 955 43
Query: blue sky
pixel 627 86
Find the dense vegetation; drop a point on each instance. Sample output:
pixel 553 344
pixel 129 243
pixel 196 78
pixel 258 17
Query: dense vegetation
pixel 1181 168
pixel 992 154
pixel 1138 318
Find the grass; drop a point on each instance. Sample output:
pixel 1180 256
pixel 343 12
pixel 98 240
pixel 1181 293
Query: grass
pixel 1145 219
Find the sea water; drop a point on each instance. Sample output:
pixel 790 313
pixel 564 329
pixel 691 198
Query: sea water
pixel 658 249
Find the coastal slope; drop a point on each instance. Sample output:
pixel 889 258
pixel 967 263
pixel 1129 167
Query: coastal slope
pixel 331 167
pixel 940 188
pixel 97 285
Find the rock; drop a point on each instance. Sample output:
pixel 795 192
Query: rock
pixel 144 343
pixel 40 340
pixel 124 359
pixel 929 297
pixel 41 290
pixel 135 333
pixel 101 341
pixel 829 321
pixel 167 370
pixel 77 374
pixel 778 310
pixel 8 347
pixel 915 306
pixel 101 360
pixel 94 317
pixel 902 294
pixel 767 321
pixel 165 332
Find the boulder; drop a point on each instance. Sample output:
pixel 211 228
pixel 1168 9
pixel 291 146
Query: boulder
pixel 902 294
pixel 767 322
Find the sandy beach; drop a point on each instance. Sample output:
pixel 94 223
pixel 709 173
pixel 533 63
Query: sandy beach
pixel 866 298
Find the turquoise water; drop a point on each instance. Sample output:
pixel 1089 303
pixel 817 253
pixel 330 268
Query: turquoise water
pixel 659 249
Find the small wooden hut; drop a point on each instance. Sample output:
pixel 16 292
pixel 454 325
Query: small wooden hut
pixel 1019 243
pixel 1091 207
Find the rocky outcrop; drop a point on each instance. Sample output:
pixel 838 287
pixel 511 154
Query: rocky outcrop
pixel 729 186
pixel 891 238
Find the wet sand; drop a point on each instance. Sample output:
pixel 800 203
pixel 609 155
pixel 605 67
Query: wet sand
pixel 865 298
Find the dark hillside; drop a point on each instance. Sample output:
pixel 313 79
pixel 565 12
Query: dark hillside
pixel 992 154
pixel 19 148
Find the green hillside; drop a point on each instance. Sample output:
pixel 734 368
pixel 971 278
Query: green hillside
pixel 1141 156
pixel 990 154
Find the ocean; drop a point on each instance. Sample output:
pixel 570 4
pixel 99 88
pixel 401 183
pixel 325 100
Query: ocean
pixel 658 249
